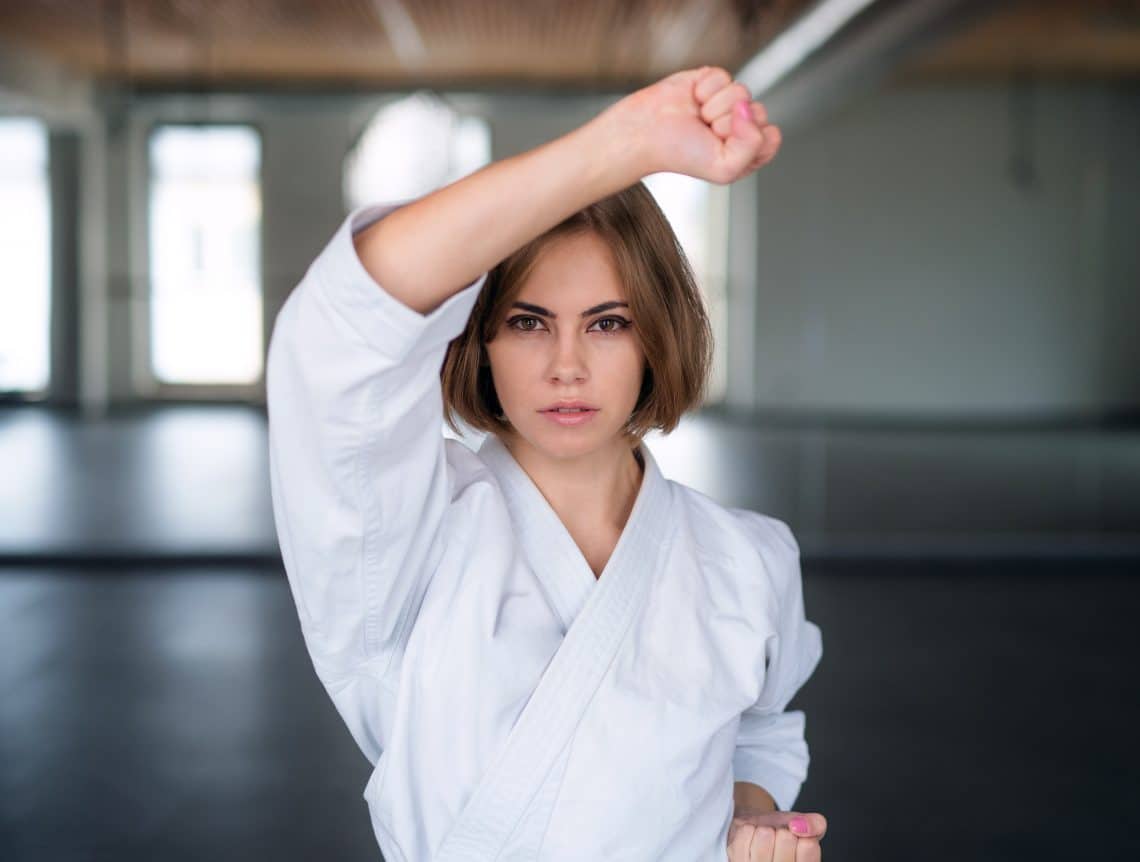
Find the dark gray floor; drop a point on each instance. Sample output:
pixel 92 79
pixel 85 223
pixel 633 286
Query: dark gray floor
pixel 179 481
pixel 964 712
pixel 168 715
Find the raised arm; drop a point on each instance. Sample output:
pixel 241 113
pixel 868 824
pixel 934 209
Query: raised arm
pixel 683 123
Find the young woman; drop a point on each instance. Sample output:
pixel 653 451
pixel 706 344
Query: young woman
pixel 546 649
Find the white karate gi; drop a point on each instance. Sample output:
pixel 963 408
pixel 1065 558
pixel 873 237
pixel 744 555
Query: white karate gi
pixel 515 707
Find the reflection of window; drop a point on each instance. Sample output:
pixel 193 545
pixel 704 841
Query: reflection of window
pixel 25 236
pixel 411 147
pixel 205 239
pixel 698 213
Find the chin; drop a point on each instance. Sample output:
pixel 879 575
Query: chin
pixel 558 442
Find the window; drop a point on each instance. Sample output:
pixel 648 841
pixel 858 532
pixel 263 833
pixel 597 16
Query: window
pixel 411 147
pixel 204 254
pixel 25 244
pixel 698 212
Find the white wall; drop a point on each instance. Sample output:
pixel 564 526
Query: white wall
pixel 904 271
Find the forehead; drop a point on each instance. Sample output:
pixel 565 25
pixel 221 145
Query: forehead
pixel 573 272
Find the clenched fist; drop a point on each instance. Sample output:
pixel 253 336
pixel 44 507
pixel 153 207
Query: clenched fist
pixel 775 836
pixel 697 122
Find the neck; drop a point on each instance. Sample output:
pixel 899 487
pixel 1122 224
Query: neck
pixel 596 489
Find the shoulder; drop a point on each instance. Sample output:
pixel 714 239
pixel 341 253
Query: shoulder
pixel 749 542
pixel 764 532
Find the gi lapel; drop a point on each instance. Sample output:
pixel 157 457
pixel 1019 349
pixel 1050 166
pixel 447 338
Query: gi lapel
pixel 551 715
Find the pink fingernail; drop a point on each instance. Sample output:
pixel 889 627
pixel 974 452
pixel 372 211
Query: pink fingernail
pixel 799 824
pixel 742 110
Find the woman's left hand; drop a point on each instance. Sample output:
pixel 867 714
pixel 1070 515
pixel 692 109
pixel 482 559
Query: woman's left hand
pixel 775 836
pixel 698 122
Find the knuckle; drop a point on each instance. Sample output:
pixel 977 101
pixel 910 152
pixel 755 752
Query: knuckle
pixel 714 84
pixel 786 840
pixel 742 835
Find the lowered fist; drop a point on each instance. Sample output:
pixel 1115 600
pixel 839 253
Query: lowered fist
pixel 775 836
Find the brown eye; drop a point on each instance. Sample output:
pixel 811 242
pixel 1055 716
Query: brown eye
pixel 518 321
pixel 619 323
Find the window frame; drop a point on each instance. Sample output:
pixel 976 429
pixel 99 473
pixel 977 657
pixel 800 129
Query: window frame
pixel 145 385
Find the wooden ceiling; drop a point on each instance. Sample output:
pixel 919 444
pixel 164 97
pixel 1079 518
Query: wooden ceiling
pixel 1061 38
pixel 473 43
pixel 391 42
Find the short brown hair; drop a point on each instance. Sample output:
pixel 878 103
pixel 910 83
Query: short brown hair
pixel 669 315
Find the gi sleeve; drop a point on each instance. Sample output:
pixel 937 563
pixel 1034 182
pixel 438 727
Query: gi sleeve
pixel 771 749
pixel 358 469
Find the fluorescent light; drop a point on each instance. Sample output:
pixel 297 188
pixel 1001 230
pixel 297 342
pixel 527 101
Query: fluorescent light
pixel 789 49
pixel 401 30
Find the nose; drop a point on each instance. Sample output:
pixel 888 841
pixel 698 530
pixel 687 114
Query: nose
pixel 567 362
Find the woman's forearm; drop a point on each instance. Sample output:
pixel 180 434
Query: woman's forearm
pixel 431 248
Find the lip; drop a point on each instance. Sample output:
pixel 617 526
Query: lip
pixel 553 415
pixel 558 404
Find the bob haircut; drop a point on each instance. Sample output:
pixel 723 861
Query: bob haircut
pixel 669 316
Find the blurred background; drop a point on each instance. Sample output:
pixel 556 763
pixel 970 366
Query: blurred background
pixel 927 312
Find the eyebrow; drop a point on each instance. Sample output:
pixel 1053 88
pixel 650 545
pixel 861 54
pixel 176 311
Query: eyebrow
pixel 546 312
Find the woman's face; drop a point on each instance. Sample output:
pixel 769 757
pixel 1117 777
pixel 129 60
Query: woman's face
pixel 564 340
